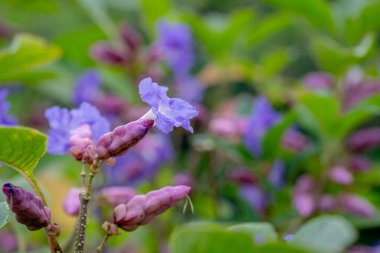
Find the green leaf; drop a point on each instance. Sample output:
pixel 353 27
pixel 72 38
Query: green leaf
pixel 267 28
pixel 219 39
pixel 328 233
pixel 272 139
pixel 264 230
pixel 334 57
pixel 154 10
pixel 319 113
pixel 26 55
pixel 21 148
pixel 4 214
pixel 316 12
pixel 279 248
pixel 209 238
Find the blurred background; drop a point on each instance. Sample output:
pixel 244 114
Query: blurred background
pixel 288 125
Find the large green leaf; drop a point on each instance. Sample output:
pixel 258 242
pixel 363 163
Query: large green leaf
pixel 153 10
pixel 25 57
pixel 21 148
pixel 328 233
pixel 262 230
pixel 209 238
pixel 279 248
pixel 4 214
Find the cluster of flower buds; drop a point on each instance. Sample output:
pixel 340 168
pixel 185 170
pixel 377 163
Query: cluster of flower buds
pixel 118 141
pixel 82 146
pixel 294 141
pixel 28 208
pixel 141 209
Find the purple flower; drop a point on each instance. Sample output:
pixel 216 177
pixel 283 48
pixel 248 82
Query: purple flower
pixel 86 88
pixel 71 204
pixel 176 45
pixel 263 117
pixel 188 88
pixel 4 107
pixel 318 80
pixel 63 122
pixel 254 196
pixel 276 174
pixel 167 112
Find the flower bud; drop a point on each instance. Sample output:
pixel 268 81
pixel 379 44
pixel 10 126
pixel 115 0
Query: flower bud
pixel 82 147
pixel 303 198
pixel 327 203
pixel 141 209
pixel 105 53
pixel 110 228
pixel 71 204
pixel 294 141
pixel 28 208
pixel 357 205
pixel 341 175
pixel 117 142
pixel 359 163
pixel 117 195
pixel 130 37
pixel 364 139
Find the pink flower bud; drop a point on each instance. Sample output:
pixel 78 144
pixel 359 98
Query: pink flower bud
pixel 71 204
pixel 105 53
pixel 28 208
pixel 327 203
pixel 294 141
pixel 359 163
pixel 357 205
pixel 130 37
pixel 82 147
pixel 364 139
pixel 183 179
pixel 341 175
pixel 141 209
pixel 117 195
pixel 117 142
pixel 242 176
pixel 303 198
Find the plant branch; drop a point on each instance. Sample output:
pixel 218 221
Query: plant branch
pixel 102 244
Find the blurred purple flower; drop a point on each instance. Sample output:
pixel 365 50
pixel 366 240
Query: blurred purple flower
pixel 86 88
pixel 318 80
pixel 117 195
pixel 303 197
pixel 294 141
pixel 71 204
pixel 167 112
pixel 183 179
pixel 276 174
pixel 359 163
pixel 341 175
pixel 263 117
pixel 354 94
pixel 4 107
pixel 364 139
pixel 254 196
pixel 188 88
pixel 175 43
pixel 62 122
pixel 8 241
pixel 357 205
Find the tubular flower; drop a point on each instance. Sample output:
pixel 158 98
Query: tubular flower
pixel 166 112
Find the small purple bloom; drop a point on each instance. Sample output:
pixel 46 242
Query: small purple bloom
pixel 276 174
pixel 86 88
pixel 263 117
pixel 167 112
pixel 341 175
pixel 71 204
pixel 63 122
pixel 254 196
pixel 318 80
pixel 176 45
pixel 4 107
pixel 189 88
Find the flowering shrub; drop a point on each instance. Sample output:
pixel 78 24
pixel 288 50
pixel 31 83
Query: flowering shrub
pixel 263 138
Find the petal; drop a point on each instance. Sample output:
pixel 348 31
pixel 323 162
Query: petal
pixel 58 142
pixel 59 118
pixel 151 93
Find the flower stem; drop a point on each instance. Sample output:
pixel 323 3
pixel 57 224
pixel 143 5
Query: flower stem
pixel 102 244
pixel 85 197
